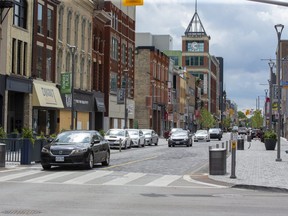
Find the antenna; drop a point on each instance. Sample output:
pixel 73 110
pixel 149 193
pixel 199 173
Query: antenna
pixel 195 6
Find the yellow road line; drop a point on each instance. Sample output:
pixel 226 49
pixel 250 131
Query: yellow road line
pixel 130 162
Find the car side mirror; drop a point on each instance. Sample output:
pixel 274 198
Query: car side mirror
pixel 95 141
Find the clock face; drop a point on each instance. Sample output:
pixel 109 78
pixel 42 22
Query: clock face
pixel 194 46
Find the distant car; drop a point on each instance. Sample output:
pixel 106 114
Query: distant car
pixel 202 135
pixel 76 147
pixel 174 130
pixel 242 130
pixel 137 137
pixel 151 136
pixel 215 133
pixel 235 128
pixel 118 138
pixel 180 137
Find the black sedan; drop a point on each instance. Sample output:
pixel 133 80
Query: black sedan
pixel 78 147
pixel 182 137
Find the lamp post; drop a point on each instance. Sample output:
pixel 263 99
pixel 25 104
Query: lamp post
pixel 73 50
pixel 125 98
pixel 265 111
pixel 152 105
pixel 279 29
pixel 271 65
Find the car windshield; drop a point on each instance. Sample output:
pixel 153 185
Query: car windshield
pixel 147 132
pixel 133 132
pixel 201 132
pixel 214 130
pixel 73 137
pixel 115 133
pixel 179 133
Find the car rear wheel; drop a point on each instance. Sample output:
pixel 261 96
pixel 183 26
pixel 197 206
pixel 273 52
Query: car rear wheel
pixel 90 161
pixel 156 143
pixel 107 159
pixel 46 166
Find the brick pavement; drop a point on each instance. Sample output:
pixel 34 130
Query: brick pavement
pixel 255 166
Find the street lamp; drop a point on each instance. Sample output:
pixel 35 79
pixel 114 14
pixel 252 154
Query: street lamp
pixel 125 98
pixel 271 65
pixel 73 50
pixel 152 105
pixel 265 111
pixel 279 29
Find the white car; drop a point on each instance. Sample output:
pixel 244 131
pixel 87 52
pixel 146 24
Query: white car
pixel 202 135
pixel 151 136
pixel 137 137
pixel 118 138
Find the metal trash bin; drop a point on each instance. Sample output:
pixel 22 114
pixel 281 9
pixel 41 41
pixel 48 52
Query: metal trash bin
pixel 249 138
pixel 2 154
pixel 217 161
pixel 240 144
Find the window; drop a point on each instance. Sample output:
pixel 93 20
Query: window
pixel 39 62
pixel 130 56
pixel 114 52
pixel 81 73
pixel 60 24
pixel 114 21
pixel 20 13
pixel 48 65
pixel 123 53
pixel 89 33
pixel 59 66
pixel 88 74
pixel 83 34
pixel 68 62
pixel 50 23
pixel 194 60
pixel 69 27
pixel 76 29
pixel 176 59
pixel 40 19
pixel 113 82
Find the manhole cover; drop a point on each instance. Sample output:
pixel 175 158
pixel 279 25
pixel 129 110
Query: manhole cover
pixel 21 212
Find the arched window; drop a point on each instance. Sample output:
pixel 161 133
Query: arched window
pixel 20 13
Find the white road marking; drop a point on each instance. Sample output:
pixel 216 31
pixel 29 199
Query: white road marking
pixel 18 175
pixel 48 177
pixel 125 179
pixel 88 177
pixel 164 180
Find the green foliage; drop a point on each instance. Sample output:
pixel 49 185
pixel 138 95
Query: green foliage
pixel 136 124
pixel 269 134
pixel 227 122
pixel 2 133
pixel 28 133
pixel 102 132
pixel 206 119
pixel 257 119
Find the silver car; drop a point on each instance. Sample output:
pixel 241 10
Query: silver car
pixel 137 137
pixel 151 136
pixel 202 135
pixel 118 138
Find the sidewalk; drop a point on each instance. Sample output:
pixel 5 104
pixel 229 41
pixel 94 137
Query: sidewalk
pixel 257 167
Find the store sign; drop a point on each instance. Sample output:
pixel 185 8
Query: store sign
pixel 120 95
pixel 132 2
pixel 65 83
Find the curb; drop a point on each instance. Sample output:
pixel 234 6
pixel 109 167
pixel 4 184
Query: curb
pixel 260 188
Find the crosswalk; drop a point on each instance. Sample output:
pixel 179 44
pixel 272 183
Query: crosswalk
pixel 98 177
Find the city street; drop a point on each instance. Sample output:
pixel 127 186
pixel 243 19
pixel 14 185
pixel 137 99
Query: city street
pixel 154 180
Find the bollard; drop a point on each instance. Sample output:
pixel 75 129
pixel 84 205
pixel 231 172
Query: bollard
pixel 120 144
pixel 233 159
pixel 226 147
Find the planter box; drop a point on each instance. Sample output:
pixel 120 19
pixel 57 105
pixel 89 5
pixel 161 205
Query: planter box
pixel 270 144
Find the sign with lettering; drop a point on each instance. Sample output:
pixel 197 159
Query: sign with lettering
pixel 65 83
pixel 132 2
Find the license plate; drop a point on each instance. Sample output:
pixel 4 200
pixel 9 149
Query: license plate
pixel 177 142
pixel 59 159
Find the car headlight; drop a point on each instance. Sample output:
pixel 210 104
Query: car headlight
pixel 79 151
pixel 45 150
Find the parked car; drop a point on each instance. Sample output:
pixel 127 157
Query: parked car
pixel 137 137
pixel 242 130
pixel 151 136
pixel 215 133
pixel 202 135
pixel 180 137
pixel 118 138
pixel 76 147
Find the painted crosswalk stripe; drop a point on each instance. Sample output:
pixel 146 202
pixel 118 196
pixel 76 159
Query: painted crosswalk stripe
pixel 164 180
pixel 49 177
pixel 88 177
pixel 125 179
pixel 18 175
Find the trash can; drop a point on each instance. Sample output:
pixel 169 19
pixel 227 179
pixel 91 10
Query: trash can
pixel 249 138
pixel 240 144
pixel 217 161
pixel 2 154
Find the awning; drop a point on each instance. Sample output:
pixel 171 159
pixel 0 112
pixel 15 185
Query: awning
pixel 46 95
pixel 99 99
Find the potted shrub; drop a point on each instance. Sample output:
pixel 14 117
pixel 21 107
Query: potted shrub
pixel 270 139
pixel 3 134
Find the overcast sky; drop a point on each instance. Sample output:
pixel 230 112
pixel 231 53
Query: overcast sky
pixel 241 31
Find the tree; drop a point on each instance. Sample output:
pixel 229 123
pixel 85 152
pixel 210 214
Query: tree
pixel 257 119
pixel 206 119
pixel 242 118
pixel 227 122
